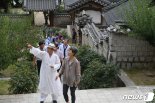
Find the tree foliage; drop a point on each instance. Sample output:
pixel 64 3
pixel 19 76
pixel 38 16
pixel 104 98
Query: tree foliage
pixel 141 19
pixel 15 33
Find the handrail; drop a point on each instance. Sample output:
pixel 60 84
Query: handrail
pixel 91 35
pixel 98 34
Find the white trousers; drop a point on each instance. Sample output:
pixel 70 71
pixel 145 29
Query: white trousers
pixel 43 97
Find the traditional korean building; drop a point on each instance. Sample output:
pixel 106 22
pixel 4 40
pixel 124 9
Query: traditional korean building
pixel 94 8
pixel 46 6
pixel 102 12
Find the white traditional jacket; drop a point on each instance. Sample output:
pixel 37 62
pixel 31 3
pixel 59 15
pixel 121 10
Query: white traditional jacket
pixel 48 83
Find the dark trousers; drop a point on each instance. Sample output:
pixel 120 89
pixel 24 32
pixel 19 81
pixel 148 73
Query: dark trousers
pixel 65 93
pixel 39 66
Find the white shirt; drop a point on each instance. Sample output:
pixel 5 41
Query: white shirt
pixel 63 48
pixel 60 54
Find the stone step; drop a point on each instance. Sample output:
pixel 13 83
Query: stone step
pixel 105 95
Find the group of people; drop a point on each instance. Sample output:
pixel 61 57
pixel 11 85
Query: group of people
pixel 56 59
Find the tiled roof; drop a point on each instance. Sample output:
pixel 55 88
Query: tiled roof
pixel 68 2
pixel 114 4
pixel 115 13
pixel 39 5
pixel 78 3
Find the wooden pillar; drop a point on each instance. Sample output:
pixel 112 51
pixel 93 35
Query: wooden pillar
pixel 46 17
pixel 72 17
pixel 51 18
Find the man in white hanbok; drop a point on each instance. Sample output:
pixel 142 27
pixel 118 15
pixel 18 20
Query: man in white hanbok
pixel 50 64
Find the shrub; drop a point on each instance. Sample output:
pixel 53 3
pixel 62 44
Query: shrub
pixel 24 80
pixel 85 56
pixel 64 34
pixel 141 19
pixel 95 72
pixel 99 75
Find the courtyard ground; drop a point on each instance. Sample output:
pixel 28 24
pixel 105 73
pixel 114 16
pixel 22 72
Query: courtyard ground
pixel 106 95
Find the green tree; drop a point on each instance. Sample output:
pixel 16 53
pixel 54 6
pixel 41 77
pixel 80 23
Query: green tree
pixel 141 19
pixel 15 33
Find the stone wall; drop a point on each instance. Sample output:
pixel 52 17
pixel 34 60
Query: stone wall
pixel 129 52
pixel 62 20
pixel 101 49
pixel 124 51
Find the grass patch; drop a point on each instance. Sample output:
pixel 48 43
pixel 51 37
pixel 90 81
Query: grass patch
pixel 142 76
pixel 7 72
pixel 4 85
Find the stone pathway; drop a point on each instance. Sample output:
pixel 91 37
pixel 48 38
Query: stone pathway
pixel 5 78
pixel 106 95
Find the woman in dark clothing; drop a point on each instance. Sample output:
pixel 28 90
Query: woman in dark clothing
pixel 74 36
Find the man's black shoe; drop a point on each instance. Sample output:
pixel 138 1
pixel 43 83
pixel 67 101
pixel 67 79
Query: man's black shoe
pixel 54 101
pixel 41 101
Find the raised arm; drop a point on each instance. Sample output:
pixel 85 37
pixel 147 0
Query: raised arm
pixel 36 52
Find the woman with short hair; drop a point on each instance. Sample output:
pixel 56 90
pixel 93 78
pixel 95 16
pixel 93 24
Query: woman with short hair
pixel 71 74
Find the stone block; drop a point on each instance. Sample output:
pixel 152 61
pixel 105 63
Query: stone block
pixel 123 65
pixel 141 53
pixel 147 53
pixel 145 64
pixel 129 65
pixel 149 59
pixel 142 59
pixel 125 59
pixel 134 53
pixel 130 59
pixel 136 59
pixel 129 53
pixel 118 64
pixel 113 48
pixel 121 48
pixel 151 53
pixel 153 59
pixel 119 54
pixel 119 59
pixel 123 54
pixel 136 64
pixel 132 48
pixel 118 48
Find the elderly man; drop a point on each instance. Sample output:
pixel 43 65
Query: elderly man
pixel 48 72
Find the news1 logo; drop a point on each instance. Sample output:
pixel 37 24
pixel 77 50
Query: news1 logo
pixel 149 97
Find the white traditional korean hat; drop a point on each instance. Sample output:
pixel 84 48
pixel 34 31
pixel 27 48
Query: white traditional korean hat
pixel 51 45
